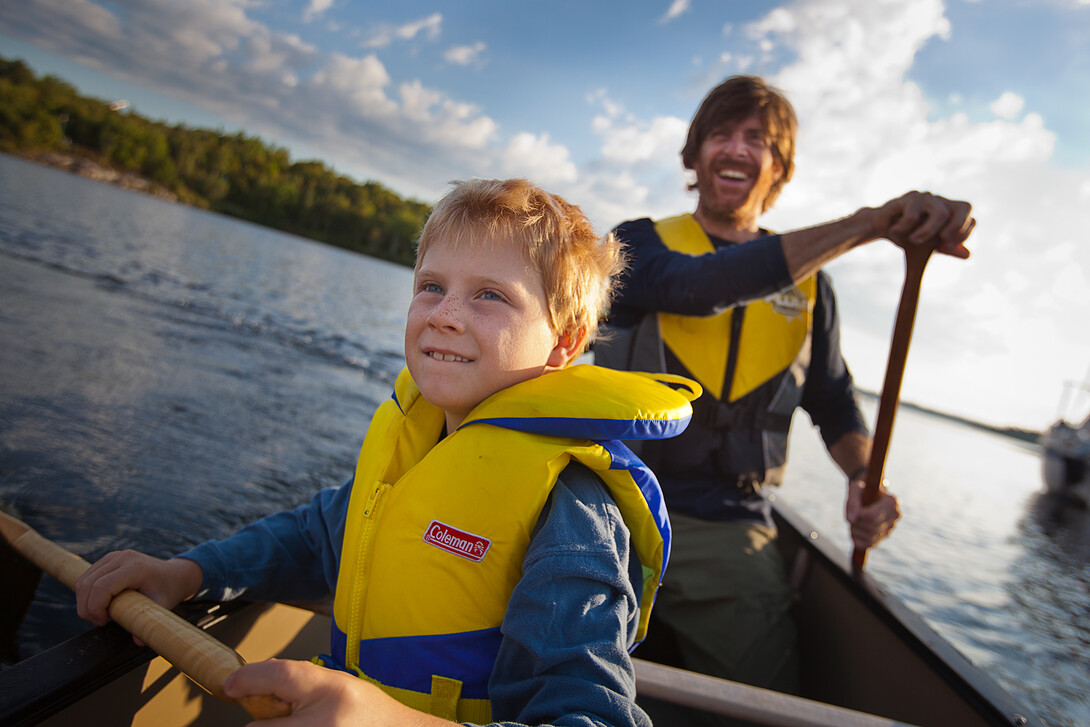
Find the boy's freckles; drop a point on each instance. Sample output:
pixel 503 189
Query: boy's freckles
pixel 478 323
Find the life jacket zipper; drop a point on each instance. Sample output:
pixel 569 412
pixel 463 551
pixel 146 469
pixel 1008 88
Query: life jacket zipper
pixel 364 549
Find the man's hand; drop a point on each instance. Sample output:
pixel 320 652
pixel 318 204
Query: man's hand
pixel 321 697
pixel 917 217
pixel 870 523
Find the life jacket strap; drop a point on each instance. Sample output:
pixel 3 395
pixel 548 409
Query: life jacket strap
pixel 444 697
pixel 444 701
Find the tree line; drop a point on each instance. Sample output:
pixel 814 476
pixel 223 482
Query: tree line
pixel 233 174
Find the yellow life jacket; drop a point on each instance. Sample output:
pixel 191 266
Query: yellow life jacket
pixel 437 530
pixel 751 361
pixel 773 330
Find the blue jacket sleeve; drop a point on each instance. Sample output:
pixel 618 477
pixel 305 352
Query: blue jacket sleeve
pixel 661 280
pixel 572 617
pixel 828 395
pixel 288 556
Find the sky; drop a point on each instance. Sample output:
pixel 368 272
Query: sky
pixel 979 100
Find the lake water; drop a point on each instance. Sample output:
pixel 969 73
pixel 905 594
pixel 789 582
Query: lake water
pixel 167 375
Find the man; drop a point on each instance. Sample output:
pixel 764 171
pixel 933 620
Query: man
pixel 750 315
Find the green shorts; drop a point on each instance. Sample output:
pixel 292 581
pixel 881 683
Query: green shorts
pixel 728 603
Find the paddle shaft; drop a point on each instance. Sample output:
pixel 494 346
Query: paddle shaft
pixel 916 257
pixel 195 653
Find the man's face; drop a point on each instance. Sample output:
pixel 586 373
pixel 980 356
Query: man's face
pixel 478 322
pixel 735 170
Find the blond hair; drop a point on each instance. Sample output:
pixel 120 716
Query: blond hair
pixel 577 267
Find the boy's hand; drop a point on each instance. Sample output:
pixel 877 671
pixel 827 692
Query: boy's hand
pixel 167 582
pixel 323 697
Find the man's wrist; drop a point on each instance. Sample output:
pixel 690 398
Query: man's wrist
pixel 864 227
pixel 858 474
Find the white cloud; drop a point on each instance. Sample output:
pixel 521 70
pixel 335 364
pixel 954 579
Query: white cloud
pixel 359 82
pixel 866 135
pixel 316 9
pixel 780 20
pixel 538 159
pixel 464 55
pixel 443 121
pixel 69 19
pixel 1008 105
pixel 430 27
pixel 278 54
pixel 630 141
pixel 677 8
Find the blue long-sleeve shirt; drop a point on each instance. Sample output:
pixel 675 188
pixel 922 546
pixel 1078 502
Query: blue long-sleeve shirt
pixel 569 625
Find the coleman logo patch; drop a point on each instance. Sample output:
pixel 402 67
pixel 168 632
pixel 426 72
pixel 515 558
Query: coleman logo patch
pixel 451 539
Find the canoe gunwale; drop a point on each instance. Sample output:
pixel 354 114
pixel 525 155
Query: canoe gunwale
pixel 40 686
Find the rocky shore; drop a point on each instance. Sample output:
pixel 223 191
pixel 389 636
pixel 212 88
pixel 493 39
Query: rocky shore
pixel 91 169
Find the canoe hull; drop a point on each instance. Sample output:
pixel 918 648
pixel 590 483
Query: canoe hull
pixel 861 649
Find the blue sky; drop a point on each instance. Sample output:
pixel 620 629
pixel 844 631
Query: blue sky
pixel 982 100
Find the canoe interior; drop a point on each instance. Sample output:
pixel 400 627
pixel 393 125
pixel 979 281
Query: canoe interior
pixel 861 649
pixel 102 678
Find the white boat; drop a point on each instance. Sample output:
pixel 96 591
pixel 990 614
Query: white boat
pixel 1065 447
pixel 1066 460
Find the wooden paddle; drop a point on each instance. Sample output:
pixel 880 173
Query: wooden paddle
pixel 916 257
pixel 198 655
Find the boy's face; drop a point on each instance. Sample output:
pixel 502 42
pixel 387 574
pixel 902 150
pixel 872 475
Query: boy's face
pixel 478 323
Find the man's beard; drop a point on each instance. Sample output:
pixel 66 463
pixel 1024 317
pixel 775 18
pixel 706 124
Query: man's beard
pixel 739 214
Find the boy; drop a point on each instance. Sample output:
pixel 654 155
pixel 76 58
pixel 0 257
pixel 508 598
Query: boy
pixel 497 553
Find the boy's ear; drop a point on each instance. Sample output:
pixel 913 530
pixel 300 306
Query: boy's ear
pixel 567 347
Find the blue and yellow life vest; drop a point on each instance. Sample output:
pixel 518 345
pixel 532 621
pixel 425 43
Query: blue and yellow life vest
pixel 773 330
pixel 437 529
pixel 751 361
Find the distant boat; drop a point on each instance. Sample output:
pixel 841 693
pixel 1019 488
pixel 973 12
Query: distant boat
pixel 1066 455
pixel 1065 449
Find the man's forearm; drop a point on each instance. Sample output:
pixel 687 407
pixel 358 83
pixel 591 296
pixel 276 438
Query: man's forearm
pixel 806 250
pixel 915 218
pixel 851 453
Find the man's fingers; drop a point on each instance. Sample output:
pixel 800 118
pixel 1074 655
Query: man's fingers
pixel 957 230
pixel 919 218
pixel 874 522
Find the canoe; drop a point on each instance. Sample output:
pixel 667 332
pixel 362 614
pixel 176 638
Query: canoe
pixel 867 660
